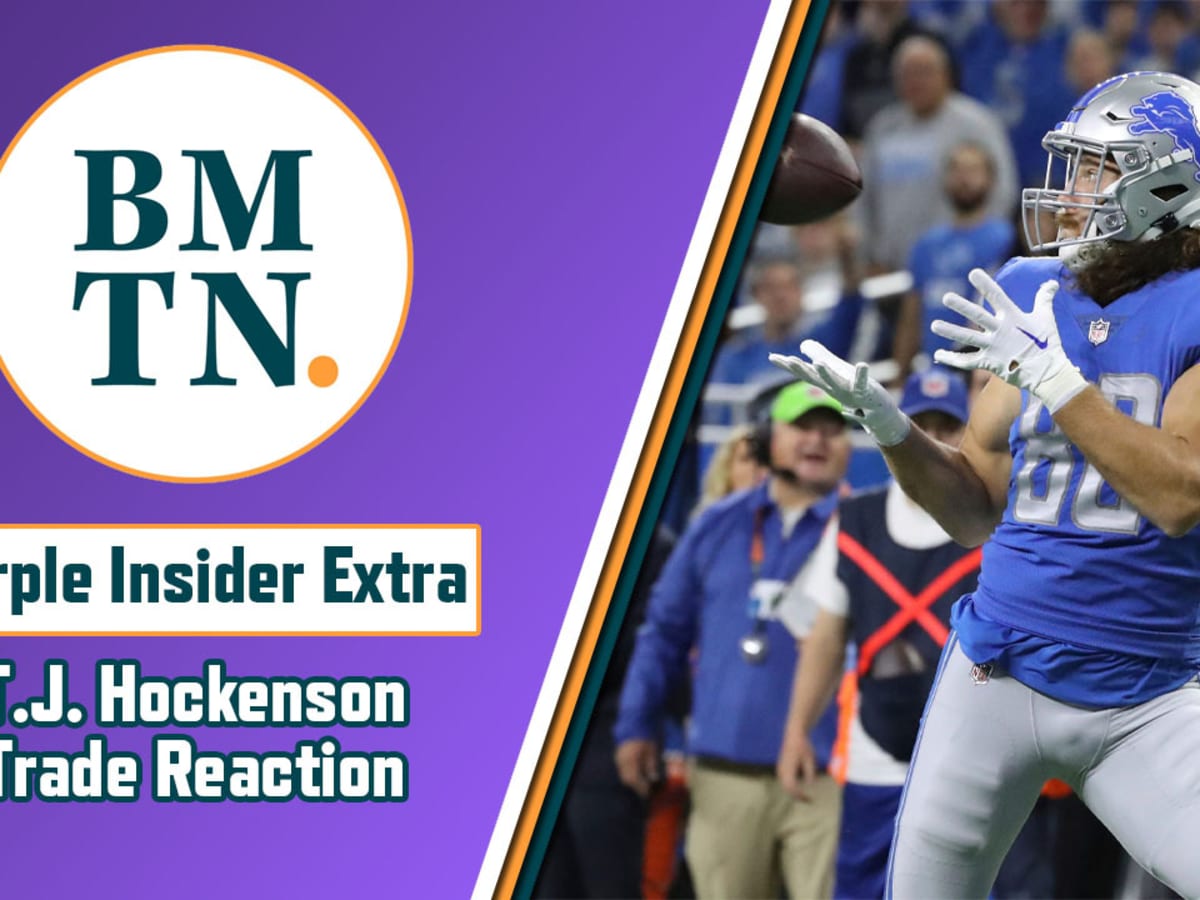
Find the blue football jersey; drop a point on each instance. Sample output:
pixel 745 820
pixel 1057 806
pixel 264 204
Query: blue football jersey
pixel 1073 572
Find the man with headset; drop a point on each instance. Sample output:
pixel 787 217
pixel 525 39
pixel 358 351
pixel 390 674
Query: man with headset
pixel 719 596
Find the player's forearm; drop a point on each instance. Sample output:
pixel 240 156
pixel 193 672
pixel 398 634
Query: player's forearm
pixel 822 657
pixel 940 479
pixel 907 338
pixel 1158 472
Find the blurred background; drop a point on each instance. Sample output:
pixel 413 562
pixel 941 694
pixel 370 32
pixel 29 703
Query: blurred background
pixel 944 104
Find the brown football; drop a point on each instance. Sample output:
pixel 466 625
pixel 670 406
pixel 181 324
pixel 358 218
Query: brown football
pixel 816 175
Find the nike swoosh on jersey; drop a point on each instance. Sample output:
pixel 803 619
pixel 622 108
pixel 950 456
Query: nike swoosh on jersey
pixel 1042 345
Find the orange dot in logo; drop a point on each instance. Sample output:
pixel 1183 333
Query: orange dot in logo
pixel 322 371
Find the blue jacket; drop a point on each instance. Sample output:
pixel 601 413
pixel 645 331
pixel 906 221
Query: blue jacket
pixel 702 599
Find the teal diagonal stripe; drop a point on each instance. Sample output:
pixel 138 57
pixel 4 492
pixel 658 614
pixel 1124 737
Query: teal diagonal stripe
pixel 689 397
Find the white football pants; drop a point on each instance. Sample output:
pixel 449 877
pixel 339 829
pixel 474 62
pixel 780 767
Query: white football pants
pixel 985 750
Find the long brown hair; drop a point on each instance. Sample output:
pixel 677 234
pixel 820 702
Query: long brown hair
pixel 1122 267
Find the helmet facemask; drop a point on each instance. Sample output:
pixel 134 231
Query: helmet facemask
pixel 1144 126
pixel 1085 167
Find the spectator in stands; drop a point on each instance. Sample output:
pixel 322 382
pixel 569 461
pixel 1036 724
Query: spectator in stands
pixel 774 287
pixel 775 284
pixel 719 594
pixel 943 256
pixel 1090 61
pixel 823 87
pixel 1166 31
pixel 1122 30
pixel 1014 63
pixel 904 150
pixel 952 19
pixel 827 253
pixel 741 462
pixel 867 85
pixel 1189 48
pixel 880 539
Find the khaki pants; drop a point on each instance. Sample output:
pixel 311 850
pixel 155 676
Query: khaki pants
pixel 746 838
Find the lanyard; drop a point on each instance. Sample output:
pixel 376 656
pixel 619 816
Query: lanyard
pixel 756 543
pixel 754 646
pixel 757 555
pixel 792 550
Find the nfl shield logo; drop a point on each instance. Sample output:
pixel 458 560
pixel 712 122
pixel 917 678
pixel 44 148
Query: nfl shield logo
pixel 1098 331
pixel 935 384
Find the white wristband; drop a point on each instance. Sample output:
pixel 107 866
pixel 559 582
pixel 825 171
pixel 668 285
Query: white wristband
pixel 1061 387
pixel 888 427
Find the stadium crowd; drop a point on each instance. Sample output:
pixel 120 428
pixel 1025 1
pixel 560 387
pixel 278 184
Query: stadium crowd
pixel 714 768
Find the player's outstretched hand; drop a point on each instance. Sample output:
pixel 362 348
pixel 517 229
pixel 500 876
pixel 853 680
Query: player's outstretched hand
pixel 1022 348
pixel 862 397
pixel 796 767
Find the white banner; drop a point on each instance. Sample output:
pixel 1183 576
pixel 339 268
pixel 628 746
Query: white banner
pixel 243 579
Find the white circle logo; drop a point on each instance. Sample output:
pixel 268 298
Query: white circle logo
pixel 206 264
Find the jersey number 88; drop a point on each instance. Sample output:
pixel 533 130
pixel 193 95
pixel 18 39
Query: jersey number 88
pixel 1096 506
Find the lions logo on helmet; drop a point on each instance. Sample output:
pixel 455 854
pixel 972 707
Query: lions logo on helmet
pixel 1145 124
pixel 1170 114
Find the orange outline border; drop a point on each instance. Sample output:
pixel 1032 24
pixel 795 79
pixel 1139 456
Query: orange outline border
pixel 233 51
pixel 257 525
pixel 544 770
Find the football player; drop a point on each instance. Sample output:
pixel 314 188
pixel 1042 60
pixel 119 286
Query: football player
pixel 1076 658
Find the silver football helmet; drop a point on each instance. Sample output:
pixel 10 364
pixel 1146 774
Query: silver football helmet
pixel 1145 123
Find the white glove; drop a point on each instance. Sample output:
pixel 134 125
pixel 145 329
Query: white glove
pixel 863 398
pixel 1024 349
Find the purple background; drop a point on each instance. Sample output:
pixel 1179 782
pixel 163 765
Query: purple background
pixel 553 157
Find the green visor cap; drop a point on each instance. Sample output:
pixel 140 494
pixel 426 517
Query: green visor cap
pixel 799 398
